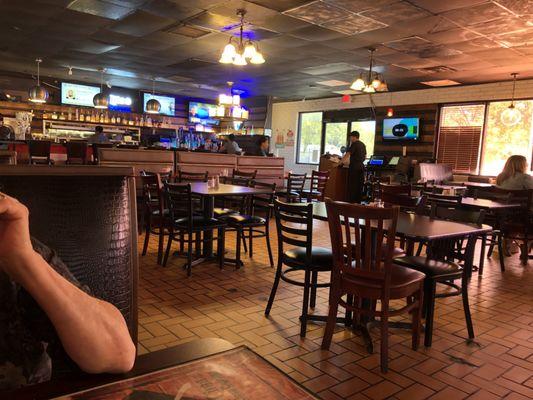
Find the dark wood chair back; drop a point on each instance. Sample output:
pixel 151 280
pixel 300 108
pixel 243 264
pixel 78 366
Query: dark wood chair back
pixel 262 203
pixel 244 174
pixel 395 189
pixel 364 238
pixel 406 203
pixel 76 152
pixel 457 214
pixel 294 223
pixel 296 182
pixel 319 179
pixel 179 201
pixel 442 199
pixel 187 176
pixel 479 179
pixel 152 192
pixel 39 151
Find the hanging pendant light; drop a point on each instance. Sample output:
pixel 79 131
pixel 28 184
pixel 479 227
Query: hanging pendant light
pixel 511 115
pixel 100 100
pixel 153 106
pixel 38 94
pixel 240 52
pixel 372 82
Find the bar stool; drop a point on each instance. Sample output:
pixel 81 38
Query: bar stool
pixel 294 224
pixel 76 152
pixel 40 152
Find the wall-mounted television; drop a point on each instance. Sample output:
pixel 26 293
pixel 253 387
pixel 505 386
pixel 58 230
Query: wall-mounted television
pixel 78 95
pixel 199 113
pixel 168 103
pixel 398 129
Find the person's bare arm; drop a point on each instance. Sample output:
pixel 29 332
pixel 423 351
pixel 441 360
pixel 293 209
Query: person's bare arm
pixel 93 332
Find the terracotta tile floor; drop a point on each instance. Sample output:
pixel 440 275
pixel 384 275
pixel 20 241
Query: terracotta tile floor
pixel 229 304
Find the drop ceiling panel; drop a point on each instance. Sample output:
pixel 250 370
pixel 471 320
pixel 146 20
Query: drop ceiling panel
pixel 141 23
pixel 396 12
pixel 100 8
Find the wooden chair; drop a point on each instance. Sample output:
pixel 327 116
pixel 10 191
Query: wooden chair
pixel 187 176
pixel 440 266
pixel 317 186
pixel 294 223
pixel 185 223
pixel 76 152
pixel 406 203
pixel 442 199
pixel 295 186
pixel 362 271
pixel 395 189
pixel 155 214
pixel 40 152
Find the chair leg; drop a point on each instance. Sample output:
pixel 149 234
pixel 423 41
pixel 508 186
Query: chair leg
pixel 169 245
pixel 524 250
pixel 238 248
pixel 314 280
pixel 419 250
pixel 417 316
pixel 221 242
pixel 189 253
pixel 198 244
pixel 482 254
pixel 384 336
pixel 274 288
pixel 269 248
pixel 146 240
pixel 430 310
pixel 500 252
pixel 466 307
pixel 332 318
pixel 160 244
pixel 244 245
pixel 305 303
pixel 348 313
pixel 251 242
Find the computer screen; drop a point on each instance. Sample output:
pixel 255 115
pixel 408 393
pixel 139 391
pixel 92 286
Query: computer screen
pixel 394 161
pixel 376 160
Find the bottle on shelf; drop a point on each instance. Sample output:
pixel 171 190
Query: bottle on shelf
pixel 113 119
pixel 62 116
pixel 77 114
pixel 54 115
pixel 119 120
pixel 82 116
pixel 106 118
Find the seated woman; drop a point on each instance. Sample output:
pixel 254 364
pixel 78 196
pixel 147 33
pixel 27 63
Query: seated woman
pixel 49 323
pixel 514 175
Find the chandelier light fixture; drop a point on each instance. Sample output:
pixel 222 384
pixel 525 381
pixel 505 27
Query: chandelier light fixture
pixel 511 115
pixel 229 107
pixel 100 100
pixel 153 106
pixel 238 53
pixel 371 82
pixel 38 94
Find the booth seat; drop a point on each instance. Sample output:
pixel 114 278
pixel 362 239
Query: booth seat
pixel 213 163
pixel 433 172
pixel 269 169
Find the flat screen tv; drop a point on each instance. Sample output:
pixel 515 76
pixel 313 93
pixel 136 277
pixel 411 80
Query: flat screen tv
pixel 199 113
pixel 78 95
pixel 401 129
pixel 168 103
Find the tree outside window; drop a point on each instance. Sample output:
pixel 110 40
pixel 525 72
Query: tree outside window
pixel 309 137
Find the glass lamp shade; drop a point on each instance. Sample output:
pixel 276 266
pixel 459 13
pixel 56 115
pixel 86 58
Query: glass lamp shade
pixel 225 99
pixel 376 83
pixel 239 59
pixel 229 50
pixel 225 59
pixel 245 114
pixel 249 50
pixel 100 101
pixel 38 94
pixel 369 89
pixel 236 100
pixel 358 84
pixel 153 106
pixel 511 116
pixel 257 58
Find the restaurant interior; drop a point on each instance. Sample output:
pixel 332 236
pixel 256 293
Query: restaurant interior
pixel 266 199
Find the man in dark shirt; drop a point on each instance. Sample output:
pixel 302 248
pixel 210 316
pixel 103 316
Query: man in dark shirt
pixel 356 171
pixel 48 321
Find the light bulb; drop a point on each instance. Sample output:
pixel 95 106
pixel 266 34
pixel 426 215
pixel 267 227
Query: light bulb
pixel 383 87
pixel 249 50
pixel 236 100
pixel 239 60
pixel 257 58
pixel 229 50
pixel 225 59
pixel 511 116
pixel 358 84
pixel 369 89
pixel 376 83
pixel 225 99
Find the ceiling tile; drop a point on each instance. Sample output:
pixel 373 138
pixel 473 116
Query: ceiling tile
pixel 170 9
pixel 316 33
pixel 329 68
pixel 141 23
pixel 317 13
pixel 439 6
pixel 500 26
pixel 396 12
pixel 353 24
pixel 283 23
pixel 209 20
pixel 281 5
pixel 188 31
pixel 93 46
pixel 519 7
pixel 100 8
pixel 474 15
pixel 358 6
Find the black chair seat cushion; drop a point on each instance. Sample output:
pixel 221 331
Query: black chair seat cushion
pixel 199 222
pixel 223 211
pixel 400 278
pixel 432 268
pixel 243 219
pixel 320 257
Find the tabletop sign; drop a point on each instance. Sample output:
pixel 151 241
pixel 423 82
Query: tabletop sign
pixel 237 374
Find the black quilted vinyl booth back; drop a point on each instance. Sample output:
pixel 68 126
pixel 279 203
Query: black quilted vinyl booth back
pixel 88 221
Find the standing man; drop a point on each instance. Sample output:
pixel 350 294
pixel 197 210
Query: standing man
pixel 356 172
pixel 99 136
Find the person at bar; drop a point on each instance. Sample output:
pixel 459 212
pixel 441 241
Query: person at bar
pixel 230 145
pixel 356 170
pixel 263 146
pixel 99 136
pixel 50 325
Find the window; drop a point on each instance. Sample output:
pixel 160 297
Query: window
pixel 460 137
pixel 502 141
pixel 309 138
pixel 472 137
pixel 367 131
pixel 335 137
